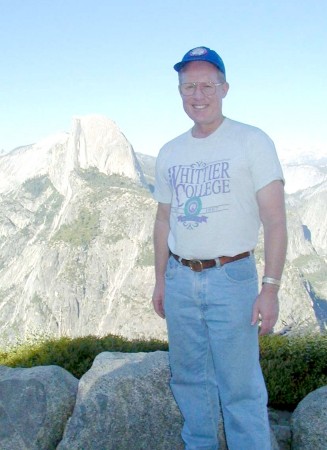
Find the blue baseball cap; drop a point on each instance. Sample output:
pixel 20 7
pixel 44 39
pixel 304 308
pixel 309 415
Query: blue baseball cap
pixel 201 54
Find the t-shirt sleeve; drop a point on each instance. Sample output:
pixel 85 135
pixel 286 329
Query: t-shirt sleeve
pixel 263 160
pixel 162 189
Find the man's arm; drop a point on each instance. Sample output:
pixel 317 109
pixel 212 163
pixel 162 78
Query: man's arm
pixel 272 213
pixel 161 255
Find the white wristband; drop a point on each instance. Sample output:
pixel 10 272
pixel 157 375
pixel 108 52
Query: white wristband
pixel 269 280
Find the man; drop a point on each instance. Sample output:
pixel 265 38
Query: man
pixel 215 184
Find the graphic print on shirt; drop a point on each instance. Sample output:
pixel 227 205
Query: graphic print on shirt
pixel 198 190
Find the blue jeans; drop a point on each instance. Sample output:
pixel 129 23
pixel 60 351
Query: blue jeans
pixel 214 355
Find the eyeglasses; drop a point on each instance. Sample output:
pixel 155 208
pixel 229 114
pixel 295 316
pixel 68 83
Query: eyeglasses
pixel 208 88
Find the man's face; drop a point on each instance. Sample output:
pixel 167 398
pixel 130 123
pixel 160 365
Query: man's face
pixel 204 110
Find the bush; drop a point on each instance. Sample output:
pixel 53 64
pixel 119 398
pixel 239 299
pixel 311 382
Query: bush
pixel 37 185
pixel 81 231
pixel 75 355
pixel 293 367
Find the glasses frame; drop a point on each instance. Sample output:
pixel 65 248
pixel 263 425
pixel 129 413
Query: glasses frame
pixel 199 83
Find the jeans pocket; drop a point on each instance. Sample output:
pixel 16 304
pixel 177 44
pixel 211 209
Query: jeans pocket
pixel 241 271
pixel 172 268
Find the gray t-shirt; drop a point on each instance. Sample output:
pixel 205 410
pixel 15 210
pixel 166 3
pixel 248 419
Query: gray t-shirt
pixel 211 184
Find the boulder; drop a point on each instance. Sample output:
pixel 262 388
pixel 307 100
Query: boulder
pixel 35 405
pixel 309 422
pixel 280 425
pixel 124 402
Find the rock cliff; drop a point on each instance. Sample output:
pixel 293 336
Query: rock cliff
pixel 76 255
pixel 76 220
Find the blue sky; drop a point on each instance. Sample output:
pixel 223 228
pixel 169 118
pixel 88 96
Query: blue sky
pixel 62 58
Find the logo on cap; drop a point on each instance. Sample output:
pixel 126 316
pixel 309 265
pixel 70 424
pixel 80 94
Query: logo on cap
pixel 199 51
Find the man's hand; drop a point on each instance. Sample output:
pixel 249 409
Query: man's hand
pixel 158 299
pixel 266 308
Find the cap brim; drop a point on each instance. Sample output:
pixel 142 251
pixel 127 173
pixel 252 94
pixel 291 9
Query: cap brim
pixel 179 65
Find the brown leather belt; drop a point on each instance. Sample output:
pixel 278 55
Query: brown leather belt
pixel 197 265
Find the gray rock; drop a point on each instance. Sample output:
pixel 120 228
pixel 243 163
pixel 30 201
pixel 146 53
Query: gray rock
pixel 283 437
pixel 124 402
pixel 309 422
pixel 280 425
pixel 35 404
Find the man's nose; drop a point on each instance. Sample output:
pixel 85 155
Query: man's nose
pixel 198 92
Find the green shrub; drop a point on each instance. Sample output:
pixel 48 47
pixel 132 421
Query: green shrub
pixel 293 367
pixel 75 355
pixel 146 256
pixel 82 230
pixel 37 185
pixel 100 182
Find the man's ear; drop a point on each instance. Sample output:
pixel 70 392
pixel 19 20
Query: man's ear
pixel 225 89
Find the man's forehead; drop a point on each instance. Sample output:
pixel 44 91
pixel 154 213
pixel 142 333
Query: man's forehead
pixel 198 67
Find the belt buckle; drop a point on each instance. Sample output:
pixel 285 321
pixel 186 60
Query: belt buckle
pixel 196 265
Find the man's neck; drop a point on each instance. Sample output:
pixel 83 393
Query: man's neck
pixel 202 131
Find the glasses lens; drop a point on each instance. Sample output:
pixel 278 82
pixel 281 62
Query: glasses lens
pixel 208 88
pixel 190 88
pixel 187 88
